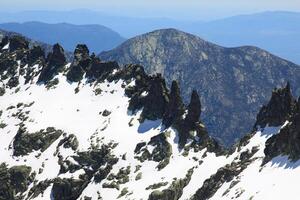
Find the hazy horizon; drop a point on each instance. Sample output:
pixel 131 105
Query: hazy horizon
pixel 173 9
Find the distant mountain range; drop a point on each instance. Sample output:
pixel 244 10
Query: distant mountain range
pixel 97 37
pixel 46 47
pixel 277 32
pixel 233 82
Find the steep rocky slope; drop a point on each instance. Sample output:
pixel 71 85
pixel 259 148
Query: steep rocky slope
pixel 233 82
pixel 91 130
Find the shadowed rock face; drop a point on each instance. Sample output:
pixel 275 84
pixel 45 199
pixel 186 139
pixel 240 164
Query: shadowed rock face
pixel 157 99
pixel 233 82
pixel 175 107
pixel 18 42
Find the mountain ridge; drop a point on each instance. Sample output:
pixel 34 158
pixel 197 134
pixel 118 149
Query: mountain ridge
pixel 97 37
pixel 233 81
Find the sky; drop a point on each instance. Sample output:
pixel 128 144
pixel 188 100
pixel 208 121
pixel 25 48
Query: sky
pixel 177 9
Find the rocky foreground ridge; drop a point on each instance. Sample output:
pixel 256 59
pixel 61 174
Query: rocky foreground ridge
pixel 92 130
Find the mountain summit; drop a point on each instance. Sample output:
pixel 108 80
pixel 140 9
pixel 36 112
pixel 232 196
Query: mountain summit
pixel 233 82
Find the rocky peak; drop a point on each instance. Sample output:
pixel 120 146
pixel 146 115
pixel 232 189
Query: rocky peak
pixel 34 54
pixel 56 60
pixel 158 93
pixel 81 52
pixel 80 64
pixel 279 108
pixel 57 56
pixel 175 107
pixel 194 109
pixel 17 42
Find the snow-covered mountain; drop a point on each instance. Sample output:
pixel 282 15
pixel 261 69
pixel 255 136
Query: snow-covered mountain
pixel 91 130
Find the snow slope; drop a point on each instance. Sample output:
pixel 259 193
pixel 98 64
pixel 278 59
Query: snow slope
pixel 102 118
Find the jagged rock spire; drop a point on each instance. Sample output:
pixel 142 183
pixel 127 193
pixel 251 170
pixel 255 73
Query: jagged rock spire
pixel 55 62
pixel 156 100
pixel 175 107
pixel 279 108
pixel 191 121
pixel 194 109
pixel 80 64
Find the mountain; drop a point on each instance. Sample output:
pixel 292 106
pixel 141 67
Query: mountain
pixel 125 25
pixel 92 130
pixel 278 31
pixel 233 82
pixel 97 37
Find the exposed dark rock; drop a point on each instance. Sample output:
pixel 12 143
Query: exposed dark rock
pixel 191 122
pixel 174 191
pixel 156 185
pixel 139 146
pixel 39 188
pixel 158 93
pixel 4 41
pixel 18 43
pixel 224 174
pixel 25 142
pixel 106 113
pixel 279 108
pixel 80 63
pixel 56 60
pixel 67 189
pixel 175 107
pixel 194 109
pixel 69 142
pixel 35 54
pixel 161 153
pixel 100 70
pixel 13 181
pixel 121 177
pixel 287 141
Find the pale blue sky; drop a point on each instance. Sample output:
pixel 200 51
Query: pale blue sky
pixel 180 9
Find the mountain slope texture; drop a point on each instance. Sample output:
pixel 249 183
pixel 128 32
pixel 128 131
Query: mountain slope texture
pixel 233 82
pixel 91 130
pixel 97 37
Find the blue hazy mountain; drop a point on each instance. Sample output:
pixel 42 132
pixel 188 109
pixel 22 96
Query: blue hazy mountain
pixel 126 26
pixel 97 37
pixel 277 32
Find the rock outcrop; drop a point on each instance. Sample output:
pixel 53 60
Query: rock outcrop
pixel 279 108
pixel 287 141
pixel 80 63
pixel 156 100
pixel 175 107
pixel 56 61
